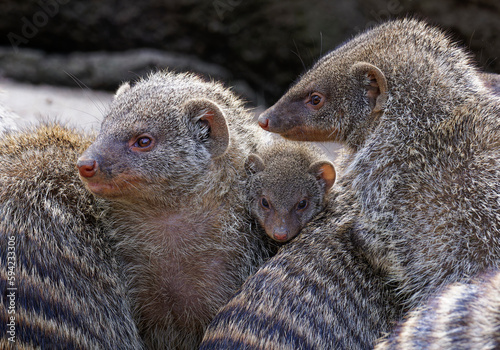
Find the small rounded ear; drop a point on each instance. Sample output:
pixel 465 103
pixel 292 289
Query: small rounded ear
pixel 377 84
pixel 122 89
pixel 254 164
pixel 206 114
pixel 324 172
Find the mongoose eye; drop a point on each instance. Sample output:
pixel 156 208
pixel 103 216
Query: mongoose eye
pixel 264 203
pixel 316 100
pixel 302 204
pixel 143 143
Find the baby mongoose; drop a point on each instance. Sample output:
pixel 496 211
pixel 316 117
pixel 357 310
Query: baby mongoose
pixel 169 160
pixel 287 187
pixel 59 280
pixel 417 205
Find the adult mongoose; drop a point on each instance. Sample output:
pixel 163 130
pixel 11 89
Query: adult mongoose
pixel 169 160
pixel 420 196
pixel 59 281
pixel 287 187
pixel 463 316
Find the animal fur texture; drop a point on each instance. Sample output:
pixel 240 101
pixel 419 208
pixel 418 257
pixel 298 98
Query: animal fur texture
pixel 463 316
pixel 169 160
pixel 59 281
pixel 417 207
pixel 288 185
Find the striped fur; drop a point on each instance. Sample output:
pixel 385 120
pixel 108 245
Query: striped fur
pixel 463 316
pixel 68 292
pixel 420 193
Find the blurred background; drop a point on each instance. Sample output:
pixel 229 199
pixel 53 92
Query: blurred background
pixel 257 47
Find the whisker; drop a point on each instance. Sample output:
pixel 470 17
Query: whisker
pixel 101 108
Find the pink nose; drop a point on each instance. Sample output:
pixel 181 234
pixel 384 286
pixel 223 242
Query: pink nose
pixel 281 233
pixel 86 167
pixel 264 123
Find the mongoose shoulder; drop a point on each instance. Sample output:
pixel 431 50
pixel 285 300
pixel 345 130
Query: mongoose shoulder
pixel 59 281
pixel 169 160
pixel 463 316
pixel 287 186
pixel 424 136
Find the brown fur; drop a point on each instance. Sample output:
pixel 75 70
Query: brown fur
pixel 287 187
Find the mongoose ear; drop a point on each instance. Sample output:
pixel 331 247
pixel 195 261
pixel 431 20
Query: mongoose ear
pixel 324 172
pixel 212 124
pixel 254 164
pixel 377 84
pixel 122 89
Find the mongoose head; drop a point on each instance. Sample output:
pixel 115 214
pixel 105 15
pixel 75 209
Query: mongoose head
pixel 331 102
pixel 287 188
pixel 403 72
pixel 159 140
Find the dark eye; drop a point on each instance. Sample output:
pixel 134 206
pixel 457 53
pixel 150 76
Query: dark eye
pixel 302 204
pixel 143 142
pixel 315 99
pixel 264 203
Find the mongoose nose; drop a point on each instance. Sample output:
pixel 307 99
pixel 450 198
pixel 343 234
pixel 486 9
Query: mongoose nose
pixel 281 234
pixel 86 167
pixel 263 122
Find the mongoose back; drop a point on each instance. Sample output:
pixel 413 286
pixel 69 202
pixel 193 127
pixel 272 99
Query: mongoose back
pixel 463 316
pixel 59 281
pixel 423 131
pixel 287 187
pixel 169 159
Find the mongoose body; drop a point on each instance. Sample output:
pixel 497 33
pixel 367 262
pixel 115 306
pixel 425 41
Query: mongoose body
pixel 59 281
pixel 288 186
pixel 463 316
pixel 169 159
pixel 424 136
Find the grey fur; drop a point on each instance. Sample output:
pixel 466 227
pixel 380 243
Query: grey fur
pixel 56 257
pixel 416 208
pixel 170 161
pixel 463 316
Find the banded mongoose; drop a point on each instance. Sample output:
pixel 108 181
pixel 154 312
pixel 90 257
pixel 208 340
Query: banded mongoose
pixel 59 281
pixel 287 187
pixel 463 316
pixel 169 160
pixel 420 196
